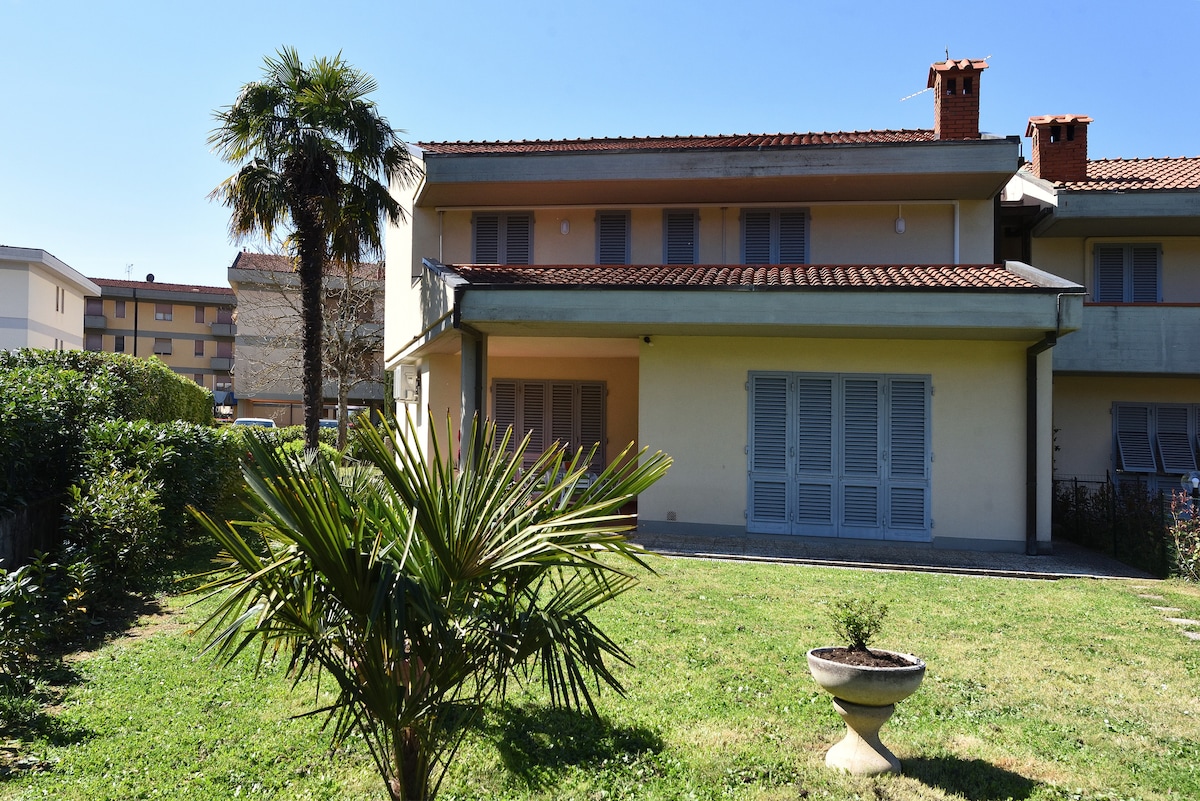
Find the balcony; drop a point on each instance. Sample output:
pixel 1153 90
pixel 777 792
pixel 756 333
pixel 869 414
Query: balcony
pixel 224 330
pixel 94 321
pixel 222 363
pixel 1133 339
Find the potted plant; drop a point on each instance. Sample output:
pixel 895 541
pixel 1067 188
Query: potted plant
pixel 866 683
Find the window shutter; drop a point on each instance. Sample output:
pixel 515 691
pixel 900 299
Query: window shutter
pixel 860 505
pixel 533 419
pixel 756 237
pixel 504 410
pixel 562 416
pixel 1174 444
pixel 814 456
pixel 517 239
pixel 1144 268
pixel 612 232
pixel 793 231
pixel 681 237
pixel 487 239
pixel 1110 274
pixel 907 440
pixel 768 495
pixel 591 422
pixel 860 421
pixel 1134 453
pixel 907 507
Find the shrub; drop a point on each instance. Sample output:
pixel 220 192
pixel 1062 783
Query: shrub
pixel 115 521
pixel 39 604
pixel 1185 537
pixel 856 621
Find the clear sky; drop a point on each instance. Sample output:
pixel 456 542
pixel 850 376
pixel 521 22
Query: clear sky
pixel 107 106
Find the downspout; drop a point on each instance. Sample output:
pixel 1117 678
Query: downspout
pixel 957 235
pixel 1031 429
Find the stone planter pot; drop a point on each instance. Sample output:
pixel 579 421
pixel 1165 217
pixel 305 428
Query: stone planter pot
pixel 864 697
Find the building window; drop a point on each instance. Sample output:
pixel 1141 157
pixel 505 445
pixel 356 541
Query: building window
pixel 120 309
pixel 502 238
pixel 224 315
pixel 225 350
pixel 92 342
pixel 222 384
pixel 774 237
pixel 1155 438
pixel 119 344
pixel 162 346
pixel 1127 274
pixel 569 412
pixel 680 240
pixel 199 348
pixel 198 378
pixel 93 307
pixel 164 311
pixel 612 237
pixel 200 314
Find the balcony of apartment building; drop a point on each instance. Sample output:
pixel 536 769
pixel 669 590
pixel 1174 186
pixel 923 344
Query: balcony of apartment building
pixel 1133 338
pixel 224 327
pixel 93 315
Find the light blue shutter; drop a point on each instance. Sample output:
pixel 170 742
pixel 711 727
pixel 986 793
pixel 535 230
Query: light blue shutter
pixel 1143 265
pixel 793 237
pixel 612 243
pixel 1110 274
pixel 487 239
pixel 756 237
pixel 681 237
pixel 860 484
pixel 908 456
pixel 815 454
pixel 1171 435
pixel 517 238
pixel 1134 453
pixel 768 457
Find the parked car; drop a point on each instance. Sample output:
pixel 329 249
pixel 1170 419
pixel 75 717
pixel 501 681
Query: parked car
pixel 327 423
pixel 265 422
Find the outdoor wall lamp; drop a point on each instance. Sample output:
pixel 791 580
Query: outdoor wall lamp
pixel 899 219
pixel 564 227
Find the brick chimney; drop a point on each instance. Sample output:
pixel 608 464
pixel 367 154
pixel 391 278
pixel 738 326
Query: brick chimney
pixel 1059 146
pixel 955 86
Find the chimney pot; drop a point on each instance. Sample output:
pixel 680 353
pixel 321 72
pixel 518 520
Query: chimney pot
pixel 1059 146
pixel 955 88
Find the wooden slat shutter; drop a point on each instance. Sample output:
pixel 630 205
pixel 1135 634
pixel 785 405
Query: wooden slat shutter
pixel 860 456
pixel 680 237
pixel 487 239
pixel 612 238
pixel 591 422
pixel 1143 265
pixel 504 410
pixel 908 454
pixel 756 237
pixel 768 457
pixel 793 237
pixel 562 416
pixel 1134 453
pixel 533 418
pixel 814 451
pixel 517 239
pixel 1110 274
pixel 1171 436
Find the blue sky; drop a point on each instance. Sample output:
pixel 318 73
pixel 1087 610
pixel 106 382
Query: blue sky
pixel 107 105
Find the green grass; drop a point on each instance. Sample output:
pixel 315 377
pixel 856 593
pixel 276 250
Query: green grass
pixel 1035 690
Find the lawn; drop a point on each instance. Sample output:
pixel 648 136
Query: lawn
pixel 1060 690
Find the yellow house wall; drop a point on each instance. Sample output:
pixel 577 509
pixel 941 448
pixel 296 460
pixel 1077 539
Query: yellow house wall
pixel 867 234
pixel 1071 258
pixel 694 406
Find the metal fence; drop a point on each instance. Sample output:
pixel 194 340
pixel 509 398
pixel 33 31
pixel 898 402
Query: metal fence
pixel 1127 520
pixel 27 530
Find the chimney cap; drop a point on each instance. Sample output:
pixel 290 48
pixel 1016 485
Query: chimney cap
pixel 1056 119
pixel 956 65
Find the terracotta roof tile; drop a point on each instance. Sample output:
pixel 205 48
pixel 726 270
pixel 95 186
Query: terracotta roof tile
pixel 956 65
pixel 1056 119
pixel 662 143
pixel 1125 175
pixel 810 276
pixel 116 282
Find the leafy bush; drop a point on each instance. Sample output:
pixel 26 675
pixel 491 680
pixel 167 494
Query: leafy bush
pixel 39 603
pixel 856 621
pixel 1185 537
pixel 115 521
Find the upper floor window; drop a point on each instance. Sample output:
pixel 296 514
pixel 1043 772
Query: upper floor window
pixel 93 307
pixel 224 315
pixel 1128 274
pixel 92 342
pixel 502 239
pixel 198 347
pixel 162 347
pixel 680 240
pixel 774 237
pixel 164 311
pixel 612 237
pixel 200 314
pixel 119 344
pixel 1155 438
pixel 119 310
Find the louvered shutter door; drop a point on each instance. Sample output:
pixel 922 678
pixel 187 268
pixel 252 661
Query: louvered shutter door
pixel 860 457
pixel 756 237
pixel 1174 444
pixel 612 246
pixel 487 239
pixel 562 416
pixel 1144 267
pixel 681 237
pixel 768 459
pixel 908 455
pixel 814 454
pixel 1134 453
pixel 591 422
pixel 793 233
pixel 518 238
pixel 533 418
pixel 504 410
pixel 1110 274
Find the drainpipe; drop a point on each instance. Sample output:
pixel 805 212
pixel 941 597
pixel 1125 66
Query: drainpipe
pixel 1031 437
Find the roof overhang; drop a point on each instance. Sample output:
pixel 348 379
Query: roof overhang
pixel 168 294
pixel 1136 213
pixel 40 259
pixel 966 169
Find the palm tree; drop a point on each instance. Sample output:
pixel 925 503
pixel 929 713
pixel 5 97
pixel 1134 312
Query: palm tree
pixel 423 587
pixel 315 161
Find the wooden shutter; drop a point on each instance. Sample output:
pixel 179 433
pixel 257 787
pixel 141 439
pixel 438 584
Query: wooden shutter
pixel 756 237
pixel 1110 274
pixel 504 410
pixel 1143 266
pixel 793 237
pixel 908 454
pixel 562 416
pixel 612 238
pixel 680 237
pixel 768 457
pixel 517 238
pixel 487 239
pixel 860 486
pixel 1171 436
pixel 533 418
pixel 814 451
pixel 591 422
pixel 1134 453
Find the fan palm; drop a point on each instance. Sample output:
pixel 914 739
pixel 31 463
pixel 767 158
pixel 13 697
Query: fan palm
pixel 316 159
pixel 423 587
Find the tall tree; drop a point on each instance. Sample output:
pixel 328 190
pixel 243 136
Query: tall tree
pixel 315 162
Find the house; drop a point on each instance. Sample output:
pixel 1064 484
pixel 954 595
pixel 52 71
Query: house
pixel 817 327
pixel 41 300
pixel 190 328
pixel 269 337
pixel 1127 386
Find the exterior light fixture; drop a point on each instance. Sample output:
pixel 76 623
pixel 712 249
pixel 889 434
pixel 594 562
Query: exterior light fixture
pixel 899 219
pixel 564 227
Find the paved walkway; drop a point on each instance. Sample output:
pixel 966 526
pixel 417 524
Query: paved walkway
pixel 1067 561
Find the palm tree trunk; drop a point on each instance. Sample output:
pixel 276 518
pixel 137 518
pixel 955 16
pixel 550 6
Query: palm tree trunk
pixel 311 252
pixel 410 779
